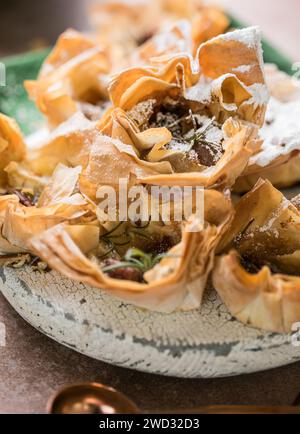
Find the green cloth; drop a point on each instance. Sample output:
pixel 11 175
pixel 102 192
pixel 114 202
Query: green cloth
pixel 14 101
pixel 13 97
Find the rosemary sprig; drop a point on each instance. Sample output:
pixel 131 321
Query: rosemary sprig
pixel 199 134
pixel 120 266
pixel 186 118
pixel 139 234
pixel 136 258
pixel 190 117
pixel 112 231
pixel 196 135
pixel 108 252
pixel 111 238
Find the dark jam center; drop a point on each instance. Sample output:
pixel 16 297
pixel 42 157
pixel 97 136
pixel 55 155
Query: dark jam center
pixel 124 268
pixel 190 135
pixel 125 273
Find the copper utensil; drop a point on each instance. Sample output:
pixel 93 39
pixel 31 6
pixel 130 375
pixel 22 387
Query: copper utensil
pixel 93 398
pixel 90 398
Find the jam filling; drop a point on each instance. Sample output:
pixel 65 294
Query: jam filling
pixel 195 135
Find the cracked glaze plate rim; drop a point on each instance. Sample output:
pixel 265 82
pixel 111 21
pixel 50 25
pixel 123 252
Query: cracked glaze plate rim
pixel 198 344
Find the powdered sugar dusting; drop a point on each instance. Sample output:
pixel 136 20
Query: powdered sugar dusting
pixel 281 132
pixel 268 227
pixel 78 122
pixel 251 36
pixel 243 68
pixel 260 94
pixel 201 91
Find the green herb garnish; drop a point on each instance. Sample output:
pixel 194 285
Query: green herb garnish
pixel 136 258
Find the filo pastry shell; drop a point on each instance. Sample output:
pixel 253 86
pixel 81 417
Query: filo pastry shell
pixel 183 36
pixel 80 142
pixel 109 161
pixel 57 204
pixel 12 146
pixel 266 225
pixel 122 25
pixel 74 74
pixel 265 230
pixel 177 282
pixel 147 20
pixel 239 145
pixel 68 144
pixel 279 159
pixel 263 300
pixel 227 77
pixel 216 88
pixel 207 21
pixel 176 38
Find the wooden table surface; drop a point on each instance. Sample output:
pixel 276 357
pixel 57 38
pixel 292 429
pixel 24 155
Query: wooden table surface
pixel 32 366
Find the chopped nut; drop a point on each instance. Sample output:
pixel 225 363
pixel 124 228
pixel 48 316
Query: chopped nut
pixel 142 112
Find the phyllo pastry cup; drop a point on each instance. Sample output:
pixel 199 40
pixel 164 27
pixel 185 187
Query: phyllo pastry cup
pixel 201 116
pixel 140 28
pixel 263 300
pixel 171 39
pixel 72 78
pixel 80 142
pixel 178 279
pixel 207 21
pixel 12 146
pixel 124 25
pixel 259 281
pixel 22 215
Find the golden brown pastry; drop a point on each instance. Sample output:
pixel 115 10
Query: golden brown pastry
pixel 23 215
pixel 79 141
pixel 259 281
pixel 141 27
pixel 173 38
pixel 264 300
pixel 192 114
pixel 176 282
pixel 72 78
pixel 266 224
pixel 12 146
pixel 68 144
pixel 133 23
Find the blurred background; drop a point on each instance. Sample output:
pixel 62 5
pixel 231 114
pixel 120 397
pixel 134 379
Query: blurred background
pixel 27 24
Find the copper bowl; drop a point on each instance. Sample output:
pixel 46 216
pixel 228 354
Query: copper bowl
pixel 90 398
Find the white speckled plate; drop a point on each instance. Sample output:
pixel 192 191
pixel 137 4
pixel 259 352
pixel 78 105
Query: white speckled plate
pixel 206 343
